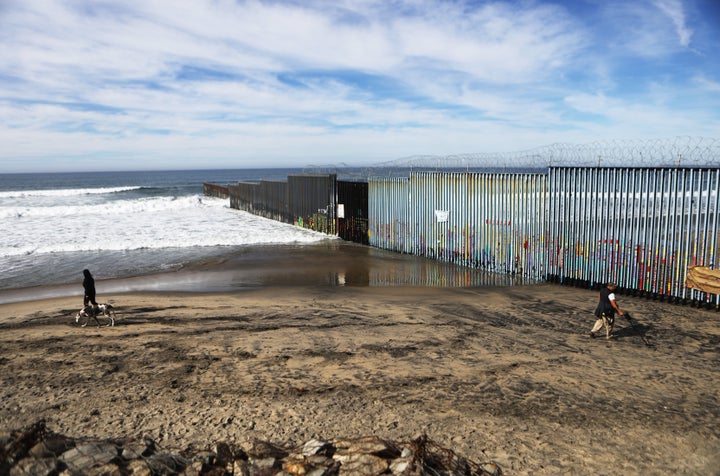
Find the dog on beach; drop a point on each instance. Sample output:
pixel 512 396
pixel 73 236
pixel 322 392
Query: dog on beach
pixel 93 311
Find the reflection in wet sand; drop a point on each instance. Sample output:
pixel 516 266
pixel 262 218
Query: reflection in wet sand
pixel 330 263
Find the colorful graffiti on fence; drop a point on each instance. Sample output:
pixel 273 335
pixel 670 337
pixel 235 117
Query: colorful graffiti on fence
pixel 638 227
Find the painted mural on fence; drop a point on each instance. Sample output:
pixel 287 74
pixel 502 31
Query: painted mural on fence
pixel 487 221
pixel 638 227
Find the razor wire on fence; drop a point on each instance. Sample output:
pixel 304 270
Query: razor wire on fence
pixel 681 151
pixel 675 152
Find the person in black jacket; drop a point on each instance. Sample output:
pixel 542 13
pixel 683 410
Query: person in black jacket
pixel 89 286
pixel 605 311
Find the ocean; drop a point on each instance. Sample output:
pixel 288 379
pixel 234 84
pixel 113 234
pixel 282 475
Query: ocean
pixel 123 224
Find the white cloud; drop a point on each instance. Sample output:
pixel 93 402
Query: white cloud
pixel 641 119
pixel 645 28
pixel 371 79
pixel 706 84
pixel 674 10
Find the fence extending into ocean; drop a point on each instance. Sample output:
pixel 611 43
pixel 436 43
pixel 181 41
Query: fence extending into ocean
pixel 641 228
pixel 315 201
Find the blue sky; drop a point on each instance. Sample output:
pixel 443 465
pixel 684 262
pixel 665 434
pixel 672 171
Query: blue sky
pixel 167 84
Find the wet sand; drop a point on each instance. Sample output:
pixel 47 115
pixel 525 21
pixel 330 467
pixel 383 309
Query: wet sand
pixel 506 374
pixel 331 263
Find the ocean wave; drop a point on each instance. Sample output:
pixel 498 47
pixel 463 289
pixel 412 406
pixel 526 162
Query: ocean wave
pixel 15 194
pixel 107 208
pixel 145 223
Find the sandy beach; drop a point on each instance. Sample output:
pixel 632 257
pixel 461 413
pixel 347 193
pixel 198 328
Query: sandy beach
pixel 504 374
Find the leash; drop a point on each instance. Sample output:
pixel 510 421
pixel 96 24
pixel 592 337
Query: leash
pixel 637 330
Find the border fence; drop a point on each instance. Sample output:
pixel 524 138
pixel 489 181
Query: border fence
pixel 482 220
pixel 639 228
pixel 308 201
pixel 217 191
pixel 642 228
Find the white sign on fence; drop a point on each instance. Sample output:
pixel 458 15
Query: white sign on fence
pixel 442 215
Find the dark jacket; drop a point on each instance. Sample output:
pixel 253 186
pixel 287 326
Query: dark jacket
pixel 604 306
pixel 89 284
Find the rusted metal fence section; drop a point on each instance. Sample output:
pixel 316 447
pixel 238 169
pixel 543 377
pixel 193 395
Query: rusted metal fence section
pixel 268 199
pixel 304 200
pixel 217 191
pixel 272 200
pixel 312 200
pixel 638 227
pixel 488 221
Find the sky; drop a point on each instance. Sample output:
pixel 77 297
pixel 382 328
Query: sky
pixel 192 84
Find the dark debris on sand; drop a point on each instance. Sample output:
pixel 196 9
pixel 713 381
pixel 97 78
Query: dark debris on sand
pixel 36 450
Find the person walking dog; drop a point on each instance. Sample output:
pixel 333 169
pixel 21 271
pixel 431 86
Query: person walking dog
pixel 89 287
pixel 605 311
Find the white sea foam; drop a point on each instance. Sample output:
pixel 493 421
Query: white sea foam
pixel 24 194
pixel 129 224
pixel 143 223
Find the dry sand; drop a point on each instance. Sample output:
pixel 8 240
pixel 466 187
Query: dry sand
pixel 503 374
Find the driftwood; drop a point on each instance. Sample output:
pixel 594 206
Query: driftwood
pixel 703 279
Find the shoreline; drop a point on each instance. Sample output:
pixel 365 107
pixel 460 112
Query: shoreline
pixel 330 263
pixel 506 374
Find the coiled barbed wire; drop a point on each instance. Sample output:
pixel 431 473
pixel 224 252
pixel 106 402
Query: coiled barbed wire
pixel 681 151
